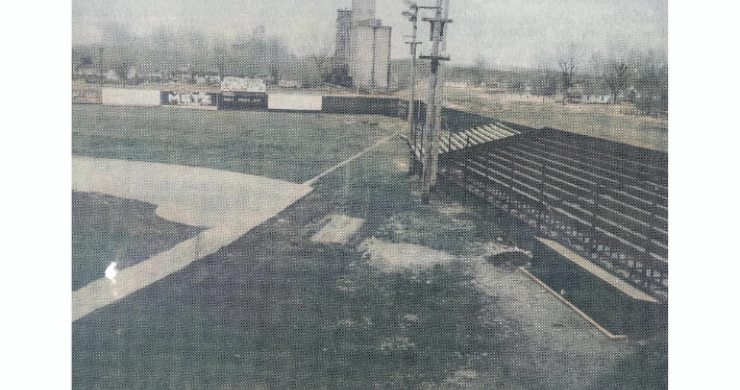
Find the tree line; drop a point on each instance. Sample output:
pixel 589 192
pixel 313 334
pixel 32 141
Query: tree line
pixel 633 76
pixel 167 52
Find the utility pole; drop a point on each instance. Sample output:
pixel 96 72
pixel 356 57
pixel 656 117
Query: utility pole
pixel 100 66
pixel 434 106
pixel 413 17
pixel 412 130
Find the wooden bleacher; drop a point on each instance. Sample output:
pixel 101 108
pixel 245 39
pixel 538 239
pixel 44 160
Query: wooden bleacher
pixel 605 200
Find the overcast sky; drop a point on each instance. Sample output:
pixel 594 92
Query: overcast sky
pixel 504 32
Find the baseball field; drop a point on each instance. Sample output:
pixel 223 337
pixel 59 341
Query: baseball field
pixel 232 277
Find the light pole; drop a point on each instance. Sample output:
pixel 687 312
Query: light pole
pixel 429 168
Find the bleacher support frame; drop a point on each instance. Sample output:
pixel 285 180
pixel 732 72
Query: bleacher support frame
pixel 605 200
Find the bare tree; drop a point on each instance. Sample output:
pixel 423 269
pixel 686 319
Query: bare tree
pixel 320 60
pixel 258 56
pixel 321 57
pixel 545 81
pixel 275 73
pixel 120 49
pixel 277 58
pixel 614 69
pixel 197 52
pixel 81 58
pixel 568 65
pixel 616 74
pixel 162 50
pixel 121 68
pixel 651 83
pixel 479 71
pixel 518 83
pixel 220 57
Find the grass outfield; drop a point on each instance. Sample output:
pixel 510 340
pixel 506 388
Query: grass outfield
pixel 287 146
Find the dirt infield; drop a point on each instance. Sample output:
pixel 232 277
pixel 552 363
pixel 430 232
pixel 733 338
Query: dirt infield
pixel 107 228
pixel 227 203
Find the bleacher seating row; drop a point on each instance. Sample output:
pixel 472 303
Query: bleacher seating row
pixel 452 141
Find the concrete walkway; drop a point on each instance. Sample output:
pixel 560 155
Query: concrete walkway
pixel 229 204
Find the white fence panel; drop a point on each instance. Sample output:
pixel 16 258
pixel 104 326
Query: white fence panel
pixel 131 97
pixel 284 101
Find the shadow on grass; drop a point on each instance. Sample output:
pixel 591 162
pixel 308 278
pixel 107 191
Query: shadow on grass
pixel 313 318
pixel 646 369
pixel 611 308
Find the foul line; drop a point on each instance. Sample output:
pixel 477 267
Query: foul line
pixel 349 160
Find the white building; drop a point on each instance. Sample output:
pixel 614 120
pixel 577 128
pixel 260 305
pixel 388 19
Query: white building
pixel 237 84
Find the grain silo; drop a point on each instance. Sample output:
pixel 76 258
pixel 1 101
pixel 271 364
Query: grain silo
pixel 369 46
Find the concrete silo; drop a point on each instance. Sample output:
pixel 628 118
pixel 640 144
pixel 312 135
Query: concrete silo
pixel 369 47
pixel 370 58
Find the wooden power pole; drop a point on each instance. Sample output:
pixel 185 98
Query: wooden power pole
pixel 434 100
pixel 412 125
pixel 413 141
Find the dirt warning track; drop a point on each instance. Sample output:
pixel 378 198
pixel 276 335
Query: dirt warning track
pixel 229 204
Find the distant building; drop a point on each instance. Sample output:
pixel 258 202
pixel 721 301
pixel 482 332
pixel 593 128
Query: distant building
pixel 364 44
pixel 87 71
pixel 183 74
pixel 599 99
pixel 237 84
pixel 289 84
pixel 111 75
pixel 211 75
pixel 152 76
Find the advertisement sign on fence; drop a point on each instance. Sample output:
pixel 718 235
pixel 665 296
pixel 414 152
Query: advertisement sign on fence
pixel 191 99
pixel 242 100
